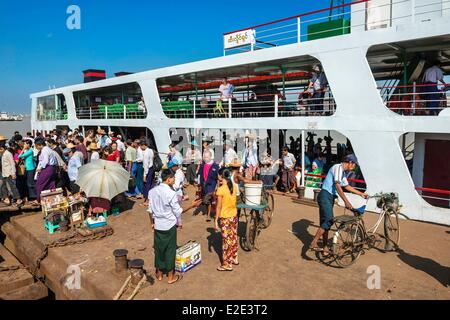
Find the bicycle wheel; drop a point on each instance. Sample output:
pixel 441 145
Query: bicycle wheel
pixel 268 212
pixel 243 238
pixel 348 242
pixel 392 227
pixel 251 232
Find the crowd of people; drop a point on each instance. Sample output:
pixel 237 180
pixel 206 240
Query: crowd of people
pixel 32 164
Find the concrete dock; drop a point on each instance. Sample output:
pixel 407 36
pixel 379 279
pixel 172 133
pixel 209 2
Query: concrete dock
pixel 282 268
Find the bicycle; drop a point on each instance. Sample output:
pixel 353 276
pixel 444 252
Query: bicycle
pixel 267 198
pixel 260 217
pixel 352 238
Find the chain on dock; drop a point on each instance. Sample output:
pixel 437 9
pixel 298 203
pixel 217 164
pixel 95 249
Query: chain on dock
pixel 12 268
pixel 76 237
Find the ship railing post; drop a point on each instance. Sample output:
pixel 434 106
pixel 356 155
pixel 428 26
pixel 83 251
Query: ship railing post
pixel 90 112
pixel 414 99
pixel 124 111
pixel 299 32
pixel 195 105
pixel 276 106
pixel 229 107
pixel 106 112
pixel 303 158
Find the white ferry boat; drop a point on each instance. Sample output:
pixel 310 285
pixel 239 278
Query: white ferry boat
pixel 4 116
pixel 373 52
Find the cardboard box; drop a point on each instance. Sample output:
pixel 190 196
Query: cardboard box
pixel 188 256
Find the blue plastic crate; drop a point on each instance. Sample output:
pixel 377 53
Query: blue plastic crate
pixel 97 224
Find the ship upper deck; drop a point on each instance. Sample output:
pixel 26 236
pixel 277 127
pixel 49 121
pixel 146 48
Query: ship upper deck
pixel 399 40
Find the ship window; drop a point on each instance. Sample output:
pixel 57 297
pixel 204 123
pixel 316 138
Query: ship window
pixel 407 72
pixel 115 102
pixel 278 88
pixel 51 107
pixel 427 155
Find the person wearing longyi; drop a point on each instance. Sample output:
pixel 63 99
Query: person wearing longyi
pixel 149 172
pixel 165 211
pixel 193 158
pixel 46 168
pixel 332 186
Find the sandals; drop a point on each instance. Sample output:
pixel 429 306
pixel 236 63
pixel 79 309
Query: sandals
pixel 178 277
pixel 315 249
pixel 325 253
pixel 220 268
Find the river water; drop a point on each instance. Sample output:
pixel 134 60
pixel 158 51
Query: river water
pixel 7 128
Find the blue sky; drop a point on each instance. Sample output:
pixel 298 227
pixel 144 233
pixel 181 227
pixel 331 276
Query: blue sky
pixel 37 50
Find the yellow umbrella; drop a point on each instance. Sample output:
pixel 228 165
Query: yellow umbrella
pixel 103 179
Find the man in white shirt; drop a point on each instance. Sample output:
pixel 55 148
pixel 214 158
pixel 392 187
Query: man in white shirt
pixel 229 155
pixel 165 211
pixel 431 79
pixel 137 170
pixel 149 173
pixel 251 161
pixel 174 165
pixel 193 158
pixel 46 168
pixel 9 176
pixel 141 106
pixel 120 144
pixel 287 172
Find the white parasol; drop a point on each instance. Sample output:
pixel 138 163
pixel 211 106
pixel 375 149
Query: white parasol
pixel 103 179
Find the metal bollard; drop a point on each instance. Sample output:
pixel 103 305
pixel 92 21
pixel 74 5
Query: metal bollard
pixel 316 194
pixel 121 260
pixel 137 271
pixel 301 192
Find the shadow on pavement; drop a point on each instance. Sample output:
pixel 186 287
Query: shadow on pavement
pixel 300 230
pixel 215 242
pixel 439 272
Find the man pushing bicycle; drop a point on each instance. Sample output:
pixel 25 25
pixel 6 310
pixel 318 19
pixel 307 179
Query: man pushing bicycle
pixel 333 186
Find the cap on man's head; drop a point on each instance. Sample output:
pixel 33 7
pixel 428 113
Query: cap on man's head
pixel 67 150
pixel 351 158
pixel 173 163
